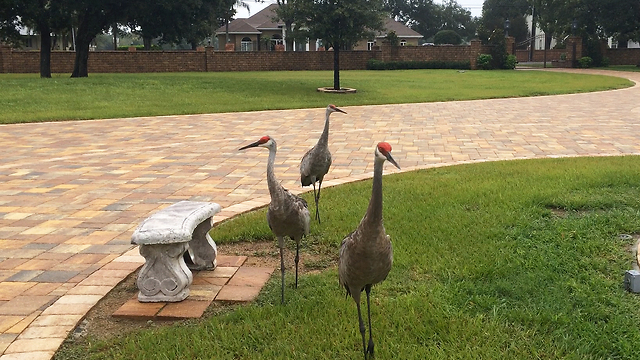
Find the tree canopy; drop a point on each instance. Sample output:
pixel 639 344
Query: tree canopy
pixel 340 24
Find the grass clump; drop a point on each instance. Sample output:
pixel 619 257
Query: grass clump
pixel 513 260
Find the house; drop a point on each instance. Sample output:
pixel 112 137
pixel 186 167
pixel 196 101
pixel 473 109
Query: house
pixel 406 36
pixel 260 32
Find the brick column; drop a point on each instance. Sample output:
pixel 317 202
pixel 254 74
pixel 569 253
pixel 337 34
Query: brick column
pixel 511 45
pixel 5 59
pixel 208 58
pixel 574 50
pixel 474 52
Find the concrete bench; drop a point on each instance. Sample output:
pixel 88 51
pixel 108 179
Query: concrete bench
pixel 174 241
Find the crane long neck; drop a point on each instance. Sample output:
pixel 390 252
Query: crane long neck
pixel 272 182
pixel 374 211
pixel 324 138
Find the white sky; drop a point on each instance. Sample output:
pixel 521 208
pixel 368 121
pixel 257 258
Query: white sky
pixel 475 6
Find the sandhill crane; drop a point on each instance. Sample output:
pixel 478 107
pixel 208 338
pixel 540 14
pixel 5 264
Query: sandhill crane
pixel 366 254
pixel 287 214
pixel 316 162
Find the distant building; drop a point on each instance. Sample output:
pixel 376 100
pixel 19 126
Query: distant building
pixel 262 32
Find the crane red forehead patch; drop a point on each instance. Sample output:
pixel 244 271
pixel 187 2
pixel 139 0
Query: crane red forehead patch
pixel 264 139
pixel 384 147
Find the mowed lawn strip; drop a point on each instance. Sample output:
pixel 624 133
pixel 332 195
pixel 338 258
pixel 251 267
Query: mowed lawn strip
pixel 28 98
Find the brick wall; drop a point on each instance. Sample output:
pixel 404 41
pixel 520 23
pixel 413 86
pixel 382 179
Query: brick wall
pixel 623 56
pixel 285 60
pixel 111 61
pixel 16 61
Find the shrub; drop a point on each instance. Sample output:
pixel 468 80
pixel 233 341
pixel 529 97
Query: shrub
pixel 374 64
pixel 447 37
pixel 605 62
pixel 511 62
pixel 393 39
pixel 585 62
pixel 484 61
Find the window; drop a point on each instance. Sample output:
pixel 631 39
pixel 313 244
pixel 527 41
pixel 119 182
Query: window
pixel 246 44
pixel 370 44
pixel 403 42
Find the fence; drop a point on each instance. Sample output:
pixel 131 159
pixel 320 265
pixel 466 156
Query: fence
pixel 18 61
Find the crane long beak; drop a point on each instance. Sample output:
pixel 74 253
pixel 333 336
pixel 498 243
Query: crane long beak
pixel 340 110
pixel 254 144
pixel 392 160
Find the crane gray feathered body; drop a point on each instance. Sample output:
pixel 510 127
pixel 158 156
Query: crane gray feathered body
pixel 287 214
pixel 366 255
pixel 316 162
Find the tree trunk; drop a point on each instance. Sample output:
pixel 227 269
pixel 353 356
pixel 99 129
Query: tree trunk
pixel 147 43
pixel 115 36
pixel 83 40
pixel 288 39
pixel 336 66
pixel 45 50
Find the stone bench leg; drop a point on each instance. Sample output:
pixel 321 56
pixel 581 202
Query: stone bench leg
pixel 202 250
pixel 164 277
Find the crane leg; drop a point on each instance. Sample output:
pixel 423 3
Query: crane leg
pixel 297 259
pixel 361 324
pixel 281 245
pixel 316 197
pixel 367 289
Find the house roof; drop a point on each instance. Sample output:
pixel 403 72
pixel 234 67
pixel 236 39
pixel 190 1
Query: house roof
pixel 264 20
pixel 260 21
pixel 402 30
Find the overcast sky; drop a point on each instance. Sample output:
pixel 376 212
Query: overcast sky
pixel 475 6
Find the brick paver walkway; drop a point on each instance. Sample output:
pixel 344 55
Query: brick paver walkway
pixel 72 192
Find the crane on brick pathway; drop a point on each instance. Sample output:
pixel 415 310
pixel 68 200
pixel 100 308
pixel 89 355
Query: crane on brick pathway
pixel 287 214
pixel 316 162
pixel 366 254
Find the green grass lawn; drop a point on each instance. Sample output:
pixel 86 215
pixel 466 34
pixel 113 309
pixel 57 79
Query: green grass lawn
pixel 500 260
pixel 28 98
pixel 622 68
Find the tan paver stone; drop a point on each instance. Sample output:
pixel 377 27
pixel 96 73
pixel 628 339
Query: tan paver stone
pixel 67 309
pixel 43 332
pixel 220 271
pixel 184 309
pixel 34 345
pixel 90 290
pixel 9 290
pixel 135 309
pixel 57 320
pixel 42 289
pixel 5 341
pixel 33 355
pixel 206 292
pixel 238 293
pixel 22 324
pixel 79 299
pixel 251 276
pixel 8 321
pixel 25 305
pixel 230 261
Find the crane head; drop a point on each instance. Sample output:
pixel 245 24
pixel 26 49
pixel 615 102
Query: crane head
pixel 332 108
pixel 383 152
pixel 265 141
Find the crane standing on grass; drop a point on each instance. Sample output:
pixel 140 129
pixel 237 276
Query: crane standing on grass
pixel 287 214
pixel 316 162
pixel 366 254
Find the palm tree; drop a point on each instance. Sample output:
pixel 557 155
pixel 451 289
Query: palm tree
pixel 231 11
